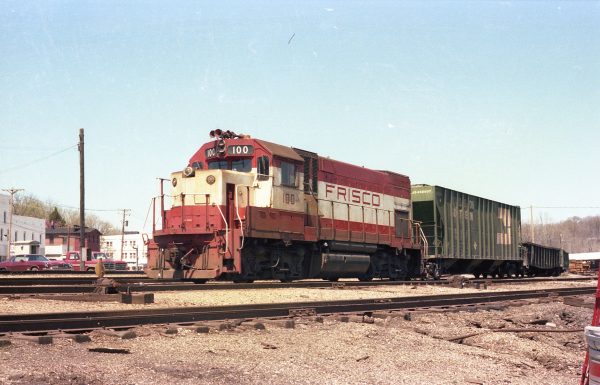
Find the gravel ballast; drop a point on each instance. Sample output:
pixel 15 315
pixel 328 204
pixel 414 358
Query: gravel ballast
pixel 399 350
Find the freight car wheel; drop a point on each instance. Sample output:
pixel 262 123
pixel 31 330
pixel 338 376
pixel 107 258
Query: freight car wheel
pixel 33 268
pixel 333 279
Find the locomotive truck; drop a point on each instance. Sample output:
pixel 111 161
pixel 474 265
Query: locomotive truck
pixel 246 209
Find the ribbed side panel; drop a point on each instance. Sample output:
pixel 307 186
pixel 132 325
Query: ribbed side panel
pixel 463 226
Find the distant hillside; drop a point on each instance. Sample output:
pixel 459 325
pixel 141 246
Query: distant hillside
pixel 575 234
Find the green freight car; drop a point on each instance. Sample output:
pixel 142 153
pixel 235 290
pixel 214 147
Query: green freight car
pixel 466 233
pixel 544 260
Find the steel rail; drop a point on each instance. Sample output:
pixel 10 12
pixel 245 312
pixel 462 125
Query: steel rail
pixel 58 281
pixel 118 319
pixel 74 285
pixel 69 272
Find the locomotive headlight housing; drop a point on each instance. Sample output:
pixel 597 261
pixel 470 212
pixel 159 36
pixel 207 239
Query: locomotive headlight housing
pixel 174 182
pixel 211 179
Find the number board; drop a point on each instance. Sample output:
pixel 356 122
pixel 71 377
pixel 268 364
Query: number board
pixel 236 150
pixel 210 153
pixel 240 150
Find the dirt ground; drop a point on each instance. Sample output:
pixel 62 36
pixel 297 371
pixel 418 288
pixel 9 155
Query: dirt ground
pixel 415 349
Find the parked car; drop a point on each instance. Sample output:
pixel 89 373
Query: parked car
pixel 97 256
pixel 33 262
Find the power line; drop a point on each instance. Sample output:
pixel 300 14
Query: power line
pixel 8 169
pixel 12 191
pixel 566 207
pixel 77 208
pixel 23 227
pixel 559 207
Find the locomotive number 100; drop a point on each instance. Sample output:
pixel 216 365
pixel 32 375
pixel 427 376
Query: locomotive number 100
pixel 289 199
pixel 231 150
pixel 240 150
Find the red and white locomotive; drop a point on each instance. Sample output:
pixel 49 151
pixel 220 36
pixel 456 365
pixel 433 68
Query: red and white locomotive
pixel 246 209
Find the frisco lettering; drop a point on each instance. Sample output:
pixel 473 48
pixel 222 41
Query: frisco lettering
pixel 351 195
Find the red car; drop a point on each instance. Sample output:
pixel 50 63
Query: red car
pixel 33 262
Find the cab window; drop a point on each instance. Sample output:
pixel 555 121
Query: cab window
pixel 218 164
pixel 288 174
pixel 242 165
pixel 262 167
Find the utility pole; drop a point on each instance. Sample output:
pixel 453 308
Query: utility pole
pixel 123 231
pixel 12 192
pixel 531 224
pixel 81 203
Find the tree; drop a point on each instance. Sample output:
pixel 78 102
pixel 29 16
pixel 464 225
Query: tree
pixel 55 218
pixel 30 206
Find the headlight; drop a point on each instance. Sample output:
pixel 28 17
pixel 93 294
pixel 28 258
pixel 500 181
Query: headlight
pixel 174 182
pixel 188 172
pixel 210 179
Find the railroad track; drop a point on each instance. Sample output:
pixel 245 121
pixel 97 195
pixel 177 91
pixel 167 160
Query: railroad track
pixel 53 285
pixel 68 272
pixel 80 321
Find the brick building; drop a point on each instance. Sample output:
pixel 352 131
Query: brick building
pixel 60 240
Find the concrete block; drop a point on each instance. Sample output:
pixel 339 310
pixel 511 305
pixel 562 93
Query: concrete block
pixel 137 298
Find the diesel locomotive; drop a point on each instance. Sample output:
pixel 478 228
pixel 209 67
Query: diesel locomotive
pixel 245 209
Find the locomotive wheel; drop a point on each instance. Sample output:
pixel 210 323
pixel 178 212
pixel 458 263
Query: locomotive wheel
pixel 200 281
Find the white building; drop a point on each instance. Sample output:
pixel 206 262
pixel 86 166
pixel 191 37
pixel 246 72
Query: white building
pixel 23 229
pixel 135 253
pixel 584 256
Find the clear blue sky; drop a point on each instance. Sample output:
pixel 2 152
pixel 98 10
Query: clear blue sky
pixel 498 99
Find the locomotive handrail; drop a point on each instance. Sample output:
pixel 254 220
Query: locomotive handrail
pixel 186 194
pixel 424 239
pixel 237 206
pixel 226 227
